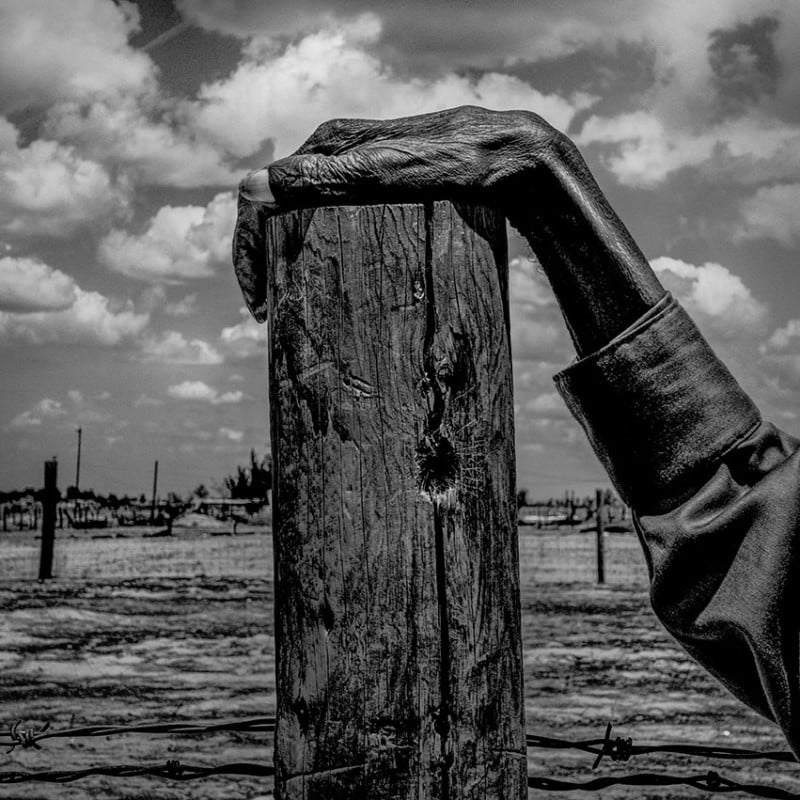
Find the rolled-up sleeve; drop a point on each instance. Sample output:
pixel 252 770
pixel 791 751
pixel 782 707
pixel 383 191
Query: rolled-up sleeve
pixel 716 498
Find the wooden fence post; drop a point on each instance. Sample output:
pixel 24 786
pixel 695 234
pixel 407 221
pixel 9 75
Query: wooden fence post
pixel 601 536
pixel 398 636
pixel 49 502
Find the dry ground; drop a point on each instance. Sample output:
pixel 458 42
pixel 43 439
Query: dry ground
pixel 117 651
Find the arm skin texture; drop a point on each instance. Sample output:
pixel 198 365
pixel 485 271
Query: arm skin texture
pixel 715 491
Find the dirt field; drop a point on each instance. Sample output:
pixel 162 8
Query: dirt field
pixel 119 650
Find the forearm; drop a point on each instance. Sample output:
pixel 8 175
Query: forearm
pixel 600 277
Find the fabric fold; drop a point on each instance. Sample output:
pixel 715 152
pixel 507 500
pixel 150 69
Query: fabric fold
pixel 658 406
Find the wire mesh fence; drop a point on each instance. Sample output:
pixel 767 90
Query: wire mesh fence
pixel 124 554
pixel 546 556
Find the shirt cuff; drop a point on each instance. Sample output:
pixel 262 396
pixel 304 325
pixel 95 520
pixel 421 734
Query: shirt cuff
pixel 659 407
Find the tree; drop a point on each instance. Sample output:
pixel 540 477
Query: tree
pixel 200 491
pixel 252 482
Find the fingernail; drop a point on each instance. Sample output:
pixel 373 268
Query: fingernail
pixel 255 187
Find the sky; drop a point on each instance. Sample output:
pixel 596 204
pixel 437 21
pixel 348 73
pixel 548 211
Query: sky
pixel 125 128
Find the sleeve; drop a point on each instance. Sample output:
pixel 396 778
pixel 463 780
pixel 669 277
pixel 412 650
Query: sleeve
pixel 715 493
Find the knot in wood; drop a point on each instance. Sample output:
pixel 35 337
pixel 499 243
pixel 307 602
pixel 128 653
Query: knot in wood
pixel 437 466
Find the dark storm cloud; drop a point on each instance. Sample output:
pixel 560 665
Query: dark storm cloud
pixel 420 35
pixel 744 63
pixel 616 75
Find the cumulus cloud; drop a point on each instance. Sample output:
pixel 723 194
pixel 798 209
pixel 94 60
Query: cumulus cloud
pixel 88 88
pixel 48 189
pixel 143 136
pixel 533 339
pixel 180 243
pixel 46 408
pixel 184 307
pixel 430 36
pixel 780 361
pixel 331 73
pixel 246 339
pixel 772 213
pixel 643 150
pixel 145 401
pixel 547 405
pixel 172 347
pixel 723 73
pixel 231 434
pixel 537 330
pixel 713 294
pixel 92 318
pixel 527 285
pixel 784 338
pixel 199 391
pixel 27 284
pixel 50 50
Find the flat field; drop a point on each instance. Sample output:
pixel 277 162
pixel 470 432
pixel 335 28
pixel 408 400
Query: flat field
pixel 190 642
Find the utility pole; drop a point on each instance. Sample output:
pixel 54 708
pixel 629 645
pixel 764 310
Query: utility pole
pixel 78 463
pixel 155 488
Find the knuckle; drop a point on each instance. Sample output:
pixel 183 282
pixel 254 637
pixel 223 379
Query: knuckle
pixel 468 113
pixel 326 129
pixel 523 119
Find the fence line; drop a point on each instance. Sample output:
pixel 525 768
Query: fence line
pixel 184 555
pixel 618 749
pixel 546 556
pixel 710 781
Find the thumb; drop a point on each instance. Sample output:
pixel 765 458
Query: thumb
pixel 386 173
pixel 255 187
pixel 248 256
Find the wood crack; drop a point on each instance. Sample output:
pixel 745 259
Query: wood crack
pixel 434 477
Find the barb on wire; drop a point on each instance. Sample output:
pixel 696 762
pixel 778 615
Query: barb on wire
pixel 26 737
pixel 29 738
pixel 623 749
pixel 618 750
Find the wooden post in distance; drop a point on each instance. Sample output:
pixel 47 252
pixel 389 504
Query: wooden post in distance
pixel 49 503
pixel 398 636
pixel 600 537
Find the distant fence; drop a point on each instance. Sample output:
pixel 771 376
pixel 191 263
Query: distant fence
pixel 567 556
pixel 546 556
pixel 107 558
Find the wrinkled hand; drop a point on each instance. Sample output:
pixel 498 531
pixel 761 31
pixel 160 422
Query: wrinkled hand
pixel 465 153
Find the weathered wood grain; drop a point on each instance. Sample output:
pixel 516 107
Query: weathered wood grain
pixel 399 659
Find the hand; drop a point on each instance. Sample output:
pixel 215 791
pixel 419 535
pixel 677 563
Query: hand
pixel 512 160
pixel 465 153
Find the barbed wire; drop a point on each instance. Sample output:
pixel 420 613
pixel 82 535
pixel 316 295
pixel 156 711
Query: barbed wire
pixel 174 770
pixel 709 782
pixel 618 749
pixel 623 749
pixel 26 738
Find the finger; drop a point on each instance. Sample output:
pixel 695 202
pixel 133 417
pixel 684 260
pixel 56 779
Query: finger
pixel 337 136
pixel 249 255
pixel 375 174
pixel 255 187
